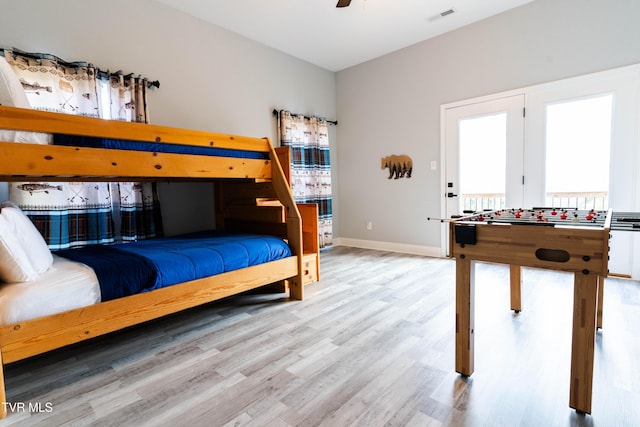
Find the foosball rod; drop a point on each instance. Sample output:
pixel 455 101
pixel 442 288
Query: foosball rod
pixel 453 218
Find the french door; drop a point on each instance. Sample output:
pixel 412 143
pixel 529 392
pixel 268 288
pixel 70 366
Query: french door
pixel 483 165
pixel 578 149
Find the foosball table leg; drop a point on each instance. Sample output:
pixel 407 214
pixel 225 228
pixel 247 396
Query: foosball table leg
pixel 600 302
pixel 515 281
pixel 465 315
pixel 585 296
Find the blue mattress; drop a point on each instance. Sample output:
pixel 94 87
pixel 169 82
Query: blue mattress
pixel 156 147
pixel 129 268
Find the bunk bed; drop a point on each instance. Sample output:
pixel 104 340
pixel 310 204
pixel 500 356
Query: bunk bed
pixel 252 195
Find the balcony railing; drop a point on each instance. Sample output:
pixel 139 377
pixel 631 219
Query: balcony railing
pixel 479 202
pixel 580 200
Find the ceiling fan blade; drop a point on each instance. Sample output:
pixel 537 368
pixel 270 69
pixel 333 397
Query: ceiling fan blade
pixel 343 3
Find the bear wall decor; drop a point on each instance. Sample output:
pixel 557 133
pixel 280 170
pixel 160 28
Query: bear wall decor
pixel 399 166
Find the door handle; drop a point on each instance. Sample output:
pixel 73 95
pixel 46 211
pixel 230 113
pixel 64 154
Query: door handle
pixel 450 195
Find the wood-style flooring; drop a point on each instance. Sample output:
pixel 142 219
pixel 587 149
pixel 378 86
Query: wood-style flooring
pixel 372 344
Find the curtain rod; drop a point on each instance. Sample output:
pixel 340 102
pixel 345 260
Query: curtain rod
pixel 75 64
pixel 331 122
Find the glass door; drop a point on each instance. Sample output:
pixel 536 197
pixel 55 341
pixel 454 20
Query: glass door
pixel 483 156
pixel 482 161
pixel 578 148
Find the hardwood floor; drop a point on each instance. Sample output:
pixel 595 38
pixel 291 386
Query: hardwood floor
pixel 372 344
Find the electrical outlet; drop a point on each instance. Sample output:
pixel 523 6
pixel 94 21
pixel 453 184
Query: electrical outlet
pixel 369 225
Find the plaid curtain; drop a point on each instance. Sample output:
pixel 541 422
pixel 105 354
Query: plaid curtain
pixel 70 214
pixel 139 211
pixel 67 214
pixel 308 138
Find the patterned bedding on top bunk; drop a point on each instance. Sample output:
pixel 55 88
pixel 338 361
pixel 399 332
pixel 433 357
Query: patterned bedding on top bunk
pixel 121 144
pixel 130 268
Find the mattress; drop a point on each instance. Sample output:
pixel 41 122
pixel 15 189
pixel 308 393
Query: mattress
pixel 121 144
pixel 91 274
pixel 65 286
pixel 129 268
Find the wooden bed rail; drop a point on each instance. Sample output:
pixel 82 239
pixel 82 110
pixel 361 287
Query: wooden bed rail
pixel 24 162
pixel 294 222
pixel 46 162
pixel 48 122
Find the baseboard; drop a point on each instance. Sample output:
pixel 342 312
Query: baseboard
pixel 388 246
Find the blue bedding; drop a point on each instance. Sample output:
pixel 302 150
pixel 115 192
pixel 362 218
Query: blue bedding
pixel 156 147
pixel 130 268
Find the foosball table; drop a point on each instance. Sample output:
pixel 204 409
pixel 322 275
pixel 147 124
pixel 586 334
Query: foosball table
pixel 570 240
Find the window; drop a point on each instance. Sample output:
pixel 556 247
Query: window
pixel 578 146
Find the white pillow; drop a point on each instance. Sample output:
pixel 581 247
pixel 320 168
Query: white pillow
pixel 11 90
pixel 7 91
pixel 14 264
pixel 28 236
pixel 12 94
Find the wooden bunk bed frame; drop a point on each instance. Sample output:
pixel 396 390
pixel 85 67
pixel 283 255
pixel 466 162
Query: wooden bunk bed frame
pixel 252 182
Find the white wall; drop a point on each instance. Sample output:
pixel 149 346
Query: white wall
pixel 391 105
pixel 210 79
